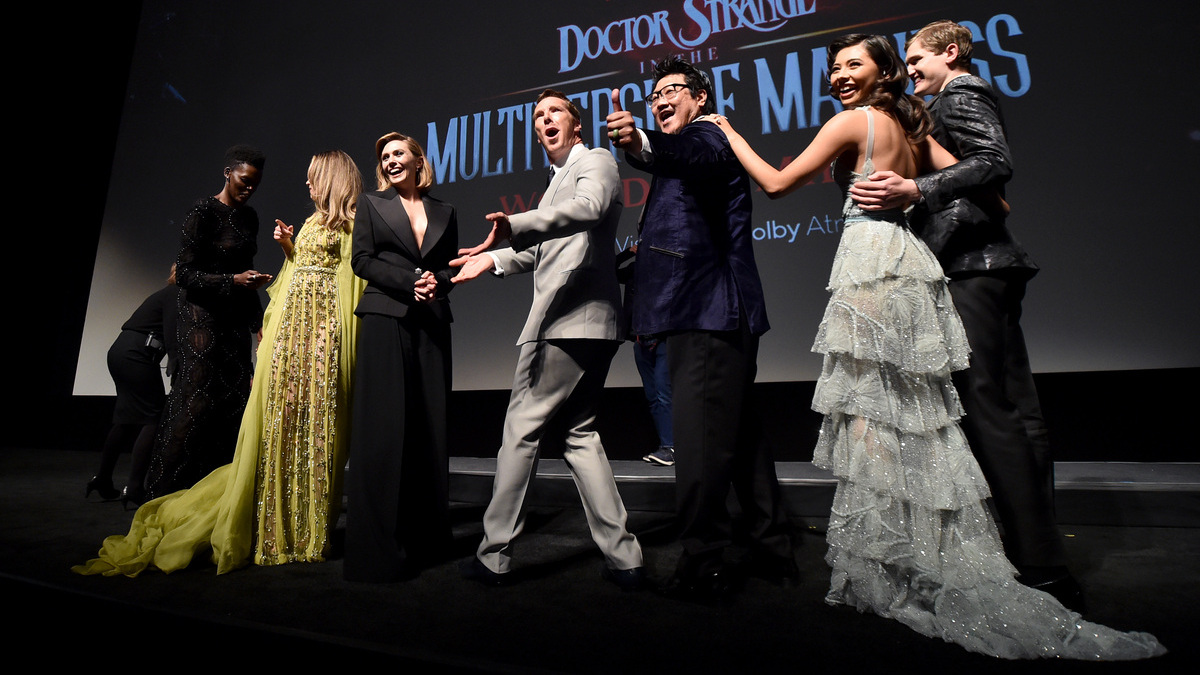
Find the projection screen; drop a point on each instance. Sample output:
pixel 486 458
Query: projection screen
pixel 1100 107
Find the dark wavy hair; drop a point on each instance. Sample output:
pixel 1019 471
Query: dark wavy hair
pixel 889 94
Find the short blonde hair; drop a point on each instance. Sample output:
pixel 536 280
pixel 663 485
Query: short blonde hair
pixel 941 34
pixel 424 174
pixel 336 184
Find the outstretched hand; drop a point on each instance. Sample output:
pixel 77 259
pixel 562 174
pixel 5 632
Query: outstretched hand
pixel 622 130
pixel 501 229
pixel 480 248
pixel 252 279
pixel 471 266
pixel 501 226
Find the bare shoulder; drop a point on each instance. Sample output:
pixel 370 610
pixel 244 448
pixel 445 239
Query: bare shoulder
pixel 846 126
pixel 849 120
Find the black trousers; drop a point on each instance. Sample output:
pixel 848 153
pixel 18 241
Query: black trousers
pixel 1004 421
pixel 398 484
pixel 719 444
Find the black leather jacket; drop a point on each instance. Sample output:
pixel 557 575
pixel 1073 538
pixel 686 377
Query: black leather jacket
pixel 959 217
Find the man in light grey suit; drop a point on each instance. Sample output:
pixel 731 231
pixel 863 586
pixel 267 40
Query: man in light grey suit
pixel 567 344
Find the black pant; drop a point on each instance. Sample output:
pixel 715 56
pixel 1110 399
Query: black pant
pixel 1004 421
pixel 398 485
pixel 719 443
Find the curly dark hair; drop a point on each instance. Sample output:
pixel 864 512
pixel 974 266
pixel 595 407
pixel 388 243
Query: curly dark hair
pixel 889 94
pixel 245 154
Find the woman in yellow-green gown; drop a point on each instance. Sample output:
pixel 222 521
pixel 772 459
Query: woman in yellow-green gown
pixel 280 498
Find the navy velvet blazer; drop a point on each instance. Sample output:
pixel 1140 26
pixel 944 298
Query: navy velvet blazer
pixel 695 266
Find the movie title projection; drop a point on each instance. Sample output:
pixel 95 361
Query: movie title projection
pixel 1095 135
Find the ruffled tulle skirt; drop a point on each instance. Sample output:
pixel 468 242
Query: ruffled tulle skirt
pixel 910 536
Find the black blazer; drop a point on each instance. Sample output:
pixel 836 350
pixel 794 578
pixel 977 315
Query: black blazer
pixel 385 253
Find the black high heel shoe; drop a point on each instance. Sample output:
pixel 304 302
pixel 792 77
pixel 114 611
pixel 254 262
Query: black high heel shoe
pixel 135 496
pixel 105 487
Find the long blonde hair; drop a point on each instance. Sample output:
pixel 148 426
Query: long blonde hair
pixel 336 184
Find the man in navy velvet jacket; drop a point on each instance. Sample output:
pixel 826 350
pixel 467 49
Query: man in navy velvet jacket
pixel 698 287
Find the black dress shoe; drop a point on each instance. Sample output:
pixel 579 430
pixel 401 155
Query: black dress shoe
pixel 627 580
pixel 775 569
pixel 132 495
pixel 104 486
pixel 474 570
pixel 1057 581
pixel 711 588
pixel 1065 589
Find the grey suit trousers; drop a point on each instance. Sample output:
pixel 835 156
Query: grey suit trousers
pixel 557 386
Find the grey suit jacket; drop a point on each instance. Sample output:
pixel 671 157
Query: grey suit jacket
pixel 568 242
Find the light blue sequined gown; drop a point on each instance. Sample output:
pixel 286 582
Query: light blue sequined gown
pixel 910 537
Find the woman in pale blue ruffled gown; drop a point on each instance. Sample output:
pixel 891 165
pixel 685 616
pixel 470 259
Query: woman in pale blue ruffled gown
pixel 910 537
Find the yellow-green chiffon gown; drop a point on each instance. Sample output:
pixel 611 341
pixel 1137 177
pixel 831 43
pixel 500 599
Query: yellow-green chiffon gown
pixel 280 497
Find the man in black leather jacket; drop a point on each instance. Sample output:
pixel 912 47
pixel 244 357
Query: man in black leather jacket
pixel 957 213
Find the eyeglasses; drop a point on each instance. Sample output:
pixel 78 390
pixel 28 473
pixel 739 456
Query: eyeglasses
pixel 668 92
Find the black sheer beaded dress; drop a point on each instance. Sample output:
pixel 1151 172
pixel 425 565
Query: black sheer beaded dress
pixel 199 427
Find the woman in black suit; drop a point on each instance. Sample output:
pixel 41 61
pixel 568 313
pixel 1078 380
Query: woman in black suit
pixel 397 486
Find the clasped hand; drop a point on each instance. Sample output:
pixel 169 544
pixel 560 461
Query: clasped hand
pixel 425 289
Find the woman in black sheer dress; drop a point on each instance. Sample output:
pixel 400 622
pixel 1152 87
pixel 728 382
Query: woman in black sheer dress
pixel 218 309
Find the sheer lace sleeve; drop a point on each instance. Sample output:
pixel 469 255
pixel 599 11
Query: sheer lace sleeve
pixel 197 251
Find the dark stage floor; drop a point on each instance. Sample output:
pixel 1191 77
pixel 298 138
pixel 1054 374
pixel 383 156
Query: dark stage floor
pixel 560 618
